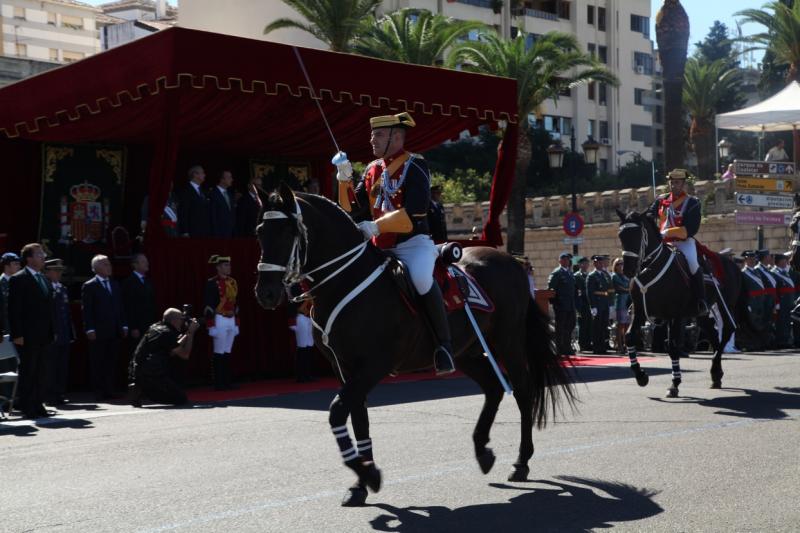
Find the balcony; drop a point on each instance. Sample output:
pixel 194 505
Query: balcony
pixel 479 3
pixel 535 13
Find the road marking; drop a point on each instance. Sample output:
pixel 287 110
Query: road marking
pixel 459 466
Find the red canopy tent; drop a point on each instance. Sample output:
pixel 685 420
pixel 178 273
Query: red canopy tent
pixel 182 96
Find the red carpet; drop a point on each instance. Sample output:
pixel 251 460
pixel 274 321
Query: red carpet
pixel 260 389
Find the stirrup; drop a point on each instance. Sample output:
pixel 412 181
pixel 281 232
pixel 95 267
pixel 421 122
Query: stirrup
pixel 443 362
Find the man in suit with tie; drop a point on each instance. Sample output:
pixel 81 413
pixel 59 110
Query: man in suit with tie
pixel 223 215
pixel 57 358
pixel 138 301
pixel 104 322
pixel 194 212
pixel 31 321
pixel 247 209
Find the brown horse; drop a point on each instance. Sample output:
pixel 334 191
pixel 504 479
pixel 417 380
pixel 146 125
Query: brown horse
pixel 366 329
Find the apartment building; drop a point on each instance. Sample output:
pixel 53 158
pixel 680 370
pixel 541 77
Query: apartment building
pixel 124 21
pixel 615 31
pixel 58 31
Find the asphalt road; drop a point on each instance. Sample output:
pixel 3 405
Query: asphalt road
pixel 713 460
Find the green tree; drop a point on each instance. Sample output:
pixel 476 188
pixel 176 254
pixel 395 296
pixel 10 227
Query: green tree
pixel 717 46
pixel 334 22
pixel 672 35
pixel 704 87
pixel 781 35
pixel 414 36
pixel 464 185
pixel 552 64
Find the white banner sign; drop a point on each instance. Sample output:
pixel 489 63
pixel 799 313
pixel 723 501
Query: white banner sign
pixel 764 200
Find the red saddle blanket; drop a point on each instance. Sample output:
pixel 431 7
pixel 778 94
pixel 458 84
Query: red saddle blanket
pixel 713 260
pixel 453 294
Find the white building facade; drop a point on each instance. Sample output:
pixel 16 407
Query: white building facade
pixel 59 31
pixel 616 31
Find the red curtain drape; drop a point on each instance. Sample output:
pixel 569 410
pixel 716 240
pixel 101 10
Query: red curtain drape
pixel 162 167
pixel 502 183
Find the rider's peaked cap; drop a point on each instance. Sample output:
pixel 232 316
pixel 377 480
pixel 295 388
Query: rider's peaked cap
pixel 749 253
pixel 565 255
pixel 400 120
pixel 761 254
pixel 678 174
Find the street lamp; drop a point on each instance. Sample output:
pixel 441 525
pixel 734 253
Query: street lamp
pixel 590 149
pixel 555 155
pixel 724 148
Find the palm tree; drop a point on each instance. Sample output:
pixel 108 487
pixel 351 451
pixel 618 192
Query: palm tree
pixel 552 64
pixel 334 22
pixel 413 36
pixel 705 87
pixel 672 35
pixel 781 35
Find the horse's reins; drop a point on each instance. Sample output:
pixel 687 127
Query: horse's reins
pixel 651 257
pixel 294 273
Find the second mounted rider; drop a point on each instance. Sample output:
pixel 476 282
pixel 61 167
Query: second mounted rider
pixel 391 201
pixel 678 216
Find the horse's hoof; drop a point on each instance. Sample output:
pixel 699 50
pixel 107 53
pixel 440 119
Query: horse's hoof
pixel 716 384
pixel 672 392
pixel 520 473
pixel 371 477
pixel 486 460
pixel 642 379
pixel 355 497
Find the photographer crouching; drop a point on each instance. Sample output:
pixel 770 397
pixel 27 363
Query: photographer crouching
pixel 149 372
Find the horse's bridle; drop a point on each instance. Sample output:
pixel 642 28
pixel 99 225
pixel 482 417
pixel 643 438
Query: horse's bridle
pixel 643 242
pixel 294 266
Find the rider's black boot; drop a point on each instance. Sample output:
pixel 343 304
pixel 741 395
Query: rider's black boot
pixel 699 290
pixel 434 307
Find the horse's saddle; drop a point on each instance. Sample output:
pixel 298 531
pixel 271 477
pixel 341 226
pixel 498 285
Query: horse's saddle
pixel 456 285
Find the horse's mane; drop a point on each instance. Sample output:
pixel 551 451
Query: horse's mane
pixel 331 210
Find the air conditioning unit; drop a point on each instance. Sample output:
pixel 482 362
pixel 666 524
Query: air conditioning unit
pixel 605 140
pixel 639 69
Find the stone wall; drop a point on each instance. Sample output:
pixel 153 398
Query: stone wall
pixel 544 237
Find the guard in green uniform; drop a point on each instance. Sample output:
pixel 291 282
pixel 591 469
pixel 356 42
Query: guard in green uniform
pixel 583 308
pixel 597 286
pixel 562 282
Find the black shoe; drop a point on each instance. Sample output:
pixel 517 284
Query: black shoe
pixel 443 361
pixel 135 395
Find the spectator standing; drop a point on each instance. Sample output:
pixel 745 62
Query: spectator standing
pixel 104 322
pixel 729 173
pixel 777 153
pixel 57 357
pixel 597 286
pixel 582 306
pixel 194 211
pixel 303 332
pixel 223 214
pixel 248 208
pixel 30 301
pixel 562 281
pixel 622 301
pixel 10 264
pixel 138 300
pixel 221 310
pixel 437 221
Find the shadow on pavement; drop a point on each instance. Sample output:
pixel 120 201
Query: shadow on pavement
pixel 566 505
pixel 762 405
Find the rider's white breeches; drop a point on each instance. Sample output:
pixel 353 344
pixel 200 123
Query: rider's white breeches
pixel 689 250
pixel 419 255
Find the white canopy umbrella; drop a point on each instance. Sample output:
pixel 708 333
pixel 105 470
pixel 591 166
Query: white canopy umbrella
pixel 778 113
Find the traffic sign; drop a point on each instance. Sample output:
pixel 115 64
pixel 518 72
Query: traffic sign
pixel 573 224
pixel 753 168
pixel 765 184
pixel 764 200
pixel 573 240
pixel 756 218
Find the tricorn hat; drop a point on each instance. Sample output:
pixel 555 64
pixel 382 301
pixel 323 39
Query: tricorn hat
pixel 400 120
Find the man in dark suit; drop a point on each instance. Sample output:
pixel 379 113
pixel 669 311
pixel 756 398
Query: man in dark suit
pixel 138 300
pixel 562 281
pixel 10 263
pixel 223 216
pixel 194 212
pixel 247 209
pixel 31 321
pixel 104 322
pixel 57 358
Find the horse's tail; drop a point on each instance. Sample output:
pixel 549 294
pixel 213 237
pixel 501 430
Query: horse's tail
pixel 551 382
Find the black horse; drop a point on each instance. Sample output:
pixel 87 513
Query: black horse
pixel 660 289
pixel 307 238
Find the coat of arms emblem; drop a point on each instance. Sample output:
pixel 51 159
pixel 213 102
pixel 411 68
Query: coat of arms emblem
pixel 86 218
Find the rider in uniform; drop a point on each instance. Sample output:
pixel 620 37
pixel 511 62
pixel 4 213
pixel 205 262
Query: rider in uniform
pixel 221 313
pixel 392 200
pixel 562 282
pixel 597 285
pixel 584 311
pixel 678 216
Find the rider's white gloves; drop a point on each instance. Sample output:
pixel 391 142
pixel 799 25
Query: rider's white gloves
pixel 369 228
pixel 594 311
pixel 344 168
